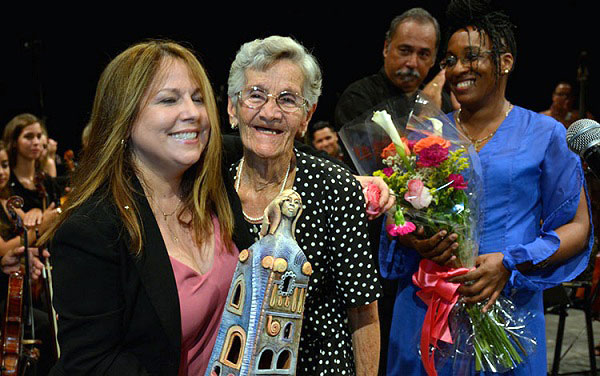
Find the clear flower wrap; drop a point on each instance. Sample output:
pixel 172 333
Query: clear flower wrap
pixel 435 173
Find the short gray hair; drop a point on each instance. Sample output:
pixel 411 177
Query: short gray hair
pixel 260 54
pixel 419 15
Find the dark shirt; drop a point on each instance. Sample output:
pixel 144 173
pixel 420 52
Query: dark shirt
pixel 376 92
pixel 33 198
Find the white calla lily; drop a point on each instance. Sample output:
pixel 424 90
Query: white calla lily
pixel 384 120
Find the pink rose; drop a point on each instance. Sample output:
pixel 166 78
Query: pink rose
pixel 372 195
pixel 418 195
pixel 458 181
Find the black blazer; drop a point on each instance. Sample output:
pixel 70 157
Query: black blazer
pixel 118 314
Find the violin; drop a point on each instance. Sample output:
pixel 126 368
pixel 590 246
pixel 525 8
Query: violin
pixel 15 354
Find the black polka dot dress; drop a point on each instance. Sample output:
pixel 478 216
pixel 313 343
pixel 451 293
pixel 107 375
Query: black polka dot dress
pixel 332 231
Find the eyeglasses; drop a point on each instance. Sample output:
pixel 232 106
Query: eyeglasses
pixel 469 58
pixel 255 97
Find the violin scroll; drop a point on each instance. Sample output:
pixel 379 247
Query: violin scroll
pixel 15 202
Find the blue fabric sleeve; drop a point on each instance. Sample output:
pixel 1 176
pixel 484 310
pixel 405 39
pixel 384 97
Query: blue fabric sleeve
pixel 561 182
pixel 395 260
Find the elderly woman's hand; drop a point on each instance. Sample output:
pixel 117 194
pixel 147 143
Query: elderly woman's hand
pixel 486 281
pixel 386 199
pixel 10 262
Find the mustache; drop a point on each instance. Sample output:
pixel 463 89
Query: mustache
pixel 407 74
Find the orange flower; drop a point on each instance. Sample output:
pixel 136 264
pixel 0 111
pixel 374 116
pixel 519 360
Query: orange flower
pixel 390 150
pixel 428 141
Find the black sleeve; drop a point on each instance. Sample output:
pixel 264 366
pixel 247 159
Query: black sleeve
pixel 87 255
pixel 352 105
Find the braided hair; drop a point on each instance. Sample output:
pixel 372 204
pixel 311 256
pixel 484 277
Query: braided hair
pixel 486 19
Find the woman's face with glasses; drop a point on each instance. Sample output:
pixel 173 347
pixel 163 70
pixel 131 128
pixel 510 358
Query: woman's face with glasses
pixel 270 110
pixel 470 70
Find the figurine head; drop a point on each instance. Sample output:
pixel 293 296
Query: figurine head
pixel 288 204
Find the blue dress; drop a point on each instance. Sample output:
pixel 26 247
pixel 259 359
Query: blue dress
pixel 532 184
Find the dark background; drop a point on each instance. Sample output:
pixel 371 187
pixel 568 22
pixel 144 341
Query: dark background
pixel 53 59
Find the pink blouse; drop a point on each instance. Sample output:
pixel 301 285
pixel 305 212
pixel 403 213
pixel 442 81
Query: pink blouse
pixel 201 300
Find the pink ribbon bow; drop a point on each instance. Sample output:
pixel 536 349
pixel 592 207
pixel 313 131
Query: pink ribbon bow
pixel 440 296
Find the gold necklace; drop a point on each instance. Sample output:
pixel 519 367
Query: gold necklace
pixel 164 214
pixel 477 142
pixel 173 234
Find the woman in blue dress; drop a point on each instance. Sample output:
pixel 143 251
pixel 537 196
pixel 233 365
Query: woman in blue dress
pixel 536 222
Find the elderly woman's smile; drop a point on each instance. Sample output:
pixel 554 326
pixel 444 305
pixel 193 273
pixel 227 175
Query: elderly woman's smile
pixel 268 129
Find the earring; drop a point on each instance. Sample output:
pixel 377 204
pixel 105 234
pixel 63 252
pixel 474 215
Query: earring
pixel 506 71
pixel 233 125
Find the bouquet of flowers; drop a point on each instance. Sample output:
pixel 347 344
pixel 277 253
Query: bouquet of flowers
pixel 435 173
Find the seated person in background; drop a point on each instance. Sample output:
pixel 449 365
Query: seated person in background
pixel 325 138
pixel 562 105
pixel 11 252
pixel 40 192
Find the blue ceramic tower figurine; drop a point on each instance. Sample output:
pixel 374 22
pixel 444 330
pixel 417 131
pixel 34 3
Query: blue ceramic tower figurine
pixel 262 319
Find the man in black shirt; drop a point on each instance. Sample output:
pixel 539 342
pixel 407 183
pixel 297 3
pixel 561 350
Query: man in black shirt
pixel 409 52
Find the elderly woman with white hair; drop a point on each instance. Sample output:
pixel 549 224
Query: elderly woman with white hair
pixel 274 85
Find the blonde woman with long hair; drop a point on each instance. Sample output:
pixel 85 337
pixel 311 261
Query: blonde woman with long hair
pixel 142 252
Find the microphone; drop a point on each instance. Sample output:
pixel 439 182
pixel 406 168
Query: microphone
pixel 583 138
